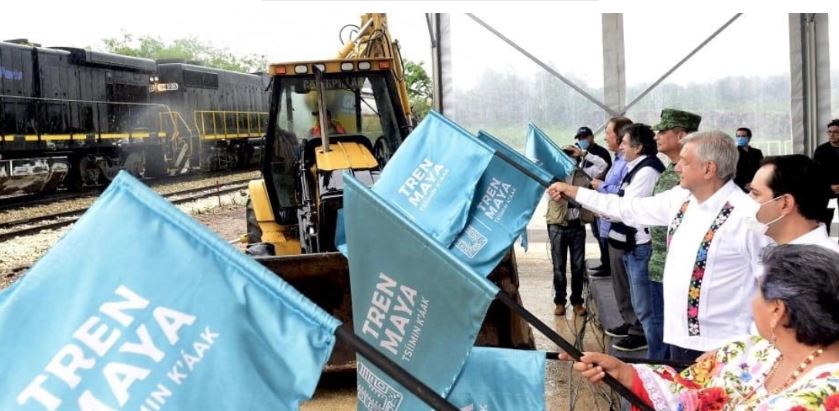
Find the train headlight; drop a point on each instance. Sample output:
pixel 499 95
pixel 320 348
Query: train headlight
pixel 364 65
pixel 347 66
pixel 301 69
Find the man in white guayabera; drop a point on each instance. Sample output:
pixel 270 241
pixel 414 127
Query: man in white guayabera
pixel 713 258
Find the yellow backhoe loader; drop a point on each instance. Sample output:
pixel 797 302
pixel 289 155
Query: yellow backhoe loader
pixel 291 216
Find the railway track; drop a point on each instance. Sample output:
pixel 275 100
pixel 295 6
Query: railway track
pixel 9 203
pixel 37 199
pixel 28 226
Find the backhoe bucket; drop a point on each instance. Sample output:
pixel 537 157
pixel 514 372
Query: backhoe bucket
pixel 324 278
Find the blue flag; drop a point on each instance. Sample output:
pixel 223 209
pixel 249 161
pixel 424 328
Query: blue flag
pixel 503 205
pixel 412 300
pixel 340 236
pixel 139 306
pixel 498 379
pixel 431 179
pixel 546 154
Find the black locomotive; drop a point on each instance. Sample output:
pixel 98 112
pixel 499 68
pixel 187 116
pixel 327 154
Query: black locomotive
pixel 73 117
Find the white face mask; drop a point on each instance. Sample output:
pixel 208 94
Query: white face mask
pixel 755 225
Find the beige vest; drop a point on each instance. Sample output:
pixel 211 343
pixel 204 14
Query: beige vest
pixel 557 210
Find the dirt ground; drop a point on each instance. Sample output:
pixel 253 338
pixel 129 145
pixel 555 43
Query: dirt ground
pixel 228 222
pixel 562 391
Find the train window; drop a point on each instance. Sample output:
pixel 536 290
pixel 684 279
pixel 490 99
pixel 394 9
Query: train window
pixel 200 79
pixel 210 80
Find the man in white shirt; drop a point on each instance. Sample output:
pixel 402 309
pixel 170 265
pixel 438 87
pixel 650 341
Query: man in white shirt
pixel 642 170
pixel 713 257
pixel 792 193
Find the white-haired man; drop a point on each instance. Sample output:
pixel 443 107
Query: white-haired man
pixel 713 257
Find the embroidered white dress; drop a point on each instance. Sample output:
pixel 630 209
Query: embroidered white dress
pixel 726 382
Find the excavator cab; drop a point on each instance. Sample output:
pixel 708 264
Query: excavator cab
pixel 361 97
pixel 304 166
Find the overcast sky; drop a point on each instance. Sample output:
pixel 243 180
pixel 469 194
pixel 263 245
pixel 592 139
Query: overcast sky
pixel 565 34
pixel 278 30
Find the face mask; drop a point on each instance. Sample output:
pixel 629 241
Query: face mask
pixel 742 141
pixel 755 225
pixel 584 144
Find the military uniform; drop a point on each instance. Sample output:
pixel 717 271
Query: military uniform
pixel 670 118
pixel 667 180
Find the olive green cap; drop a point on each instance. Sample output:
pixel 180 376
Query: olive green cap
pixel 672 118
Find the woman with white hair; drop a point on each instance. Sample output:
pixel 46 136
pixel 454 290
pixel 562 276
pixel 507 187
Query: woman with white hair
pixel 793 364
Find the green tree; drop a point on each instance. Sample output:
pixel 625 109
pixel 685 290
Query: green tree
pixel 189 49
pixel 419 88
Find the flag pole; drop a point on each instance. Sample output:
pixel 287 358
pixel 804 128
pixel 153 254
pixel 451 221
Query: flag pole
pixel 404 378
pixel 544 183
pixel 679 365
pixel 569 348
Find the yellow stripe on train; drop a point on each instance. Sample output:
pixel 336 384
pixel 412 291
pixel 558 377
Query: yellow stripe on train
pixel 80 137
pixel 230 136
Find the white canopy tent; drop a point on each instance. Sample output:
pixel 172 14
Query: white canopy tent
pixel 736 70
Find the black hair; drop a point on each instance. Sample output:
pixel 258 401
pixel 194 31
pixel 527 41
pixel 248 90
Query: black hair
pixel 642 135
pixel 800 177
pixel 747 130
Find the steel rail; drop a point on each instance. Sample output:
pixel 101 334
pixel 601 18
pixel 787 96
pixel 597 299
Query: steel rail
pixel 29 200
pixel 72 216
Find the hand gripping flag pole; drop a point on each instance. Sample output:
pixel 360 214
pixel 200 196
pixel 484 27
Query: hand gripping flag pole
pixel 569 348
pixel 678 365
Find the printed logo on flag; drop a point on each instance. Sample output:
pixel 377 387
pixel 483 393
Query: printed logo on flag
pixel 396 317
pixel 432 178
pixel 421 187
pixel 504 201
pixel 496 199
pixel 380 395
pixel 100 334
pixel 471 242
